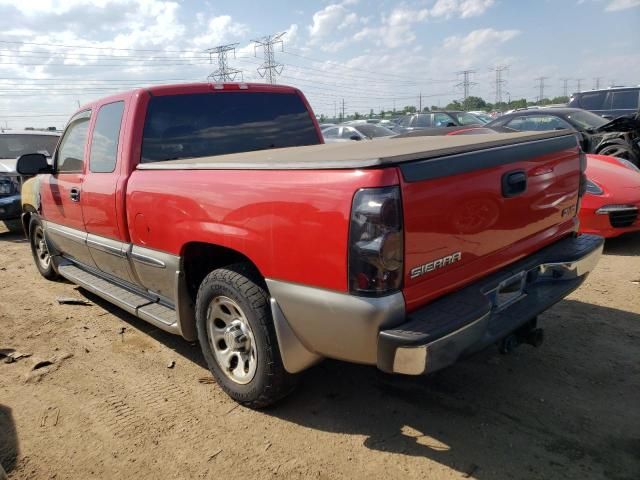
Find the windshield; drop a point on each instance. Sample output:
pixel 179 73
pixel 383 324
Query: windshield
pixel 465 118
pixel 14 145
pixel 204 124
pixel 374 131
pixel 585 119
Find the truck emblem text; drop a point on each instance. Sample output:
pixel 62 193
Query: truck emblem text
pixel 436 264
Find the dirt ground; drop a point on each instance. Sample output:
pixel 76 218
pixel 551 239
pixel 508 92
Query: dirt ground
pixel 109 406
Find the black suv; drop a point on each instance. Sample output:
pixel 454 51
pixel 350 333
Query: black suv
pixel 609 103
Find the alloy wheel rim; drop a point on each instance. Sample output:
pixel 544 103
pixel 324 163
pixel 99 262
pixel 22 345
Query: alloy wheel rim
pixel 231 340
pixel 42 253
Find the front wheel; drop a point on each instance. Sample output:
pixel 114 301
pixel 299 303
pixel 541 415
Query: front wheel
pixel 238 339
pixel 40 252
pixel 621 150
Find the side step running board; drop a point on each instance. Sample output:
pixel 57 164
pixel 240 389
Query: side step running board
pixel 142 307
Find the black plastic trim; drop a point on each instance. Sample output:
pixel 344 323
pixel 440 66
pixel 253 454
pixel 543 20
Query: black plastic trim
pixel 456 164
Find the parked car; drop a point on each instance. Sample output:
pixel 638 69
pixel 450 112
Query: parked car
pixel 617 138
pixel 13 144
pixel 610 206
pixel 612 200
pixel 383 253
pixel 419 121
pixel 609 102
pixel 483 116
pixel 360 131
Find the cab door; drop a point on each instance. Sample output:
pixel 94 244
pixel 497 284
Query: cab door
pixel 101 204
pixel 61 193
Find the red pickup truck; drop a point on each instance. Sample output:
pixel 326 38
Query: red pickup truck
pixel 182 205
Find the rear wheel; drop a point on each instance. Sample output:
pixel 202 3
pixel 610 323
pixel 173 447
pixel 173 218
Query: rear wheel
pixel 40 252
pixel 238 339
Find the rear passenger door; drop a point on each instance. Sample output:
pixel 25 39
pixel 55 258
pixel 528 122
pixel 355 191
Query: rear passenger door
pixel 62 195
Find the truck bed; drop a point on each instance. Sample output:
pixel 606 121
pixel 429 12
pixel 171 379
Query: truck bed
pixel 366 154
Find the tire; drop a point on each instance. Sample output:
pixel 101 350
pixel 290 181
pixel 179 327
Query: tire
pixel 238 338
pixel 620 149
pixel 14 226
pixel 41 257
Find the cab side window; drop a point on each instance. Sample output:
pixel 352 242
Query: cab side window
pixel 70 154
pixel 104 144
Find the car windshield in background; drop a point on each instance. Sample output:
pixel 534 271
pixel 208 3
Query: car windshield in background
pixel 373 131
pixel 465 118
pixel 14 145
pixel 204 124
pixel 585 119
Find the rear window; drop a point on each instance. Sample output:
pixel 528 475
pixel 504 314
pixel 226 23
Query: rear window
pixel 14 145
pixel 204 124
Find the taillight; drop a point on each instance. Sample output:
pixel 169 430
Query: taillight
pixel 583 174
pixel 376 241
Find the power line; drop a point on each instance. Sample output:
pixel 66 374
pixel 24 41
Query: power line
pixel 565 87
pixel 579 84
pixel 541 86
pixel 500 82
pixel 224 72
pixel 466 83
pixel 270 69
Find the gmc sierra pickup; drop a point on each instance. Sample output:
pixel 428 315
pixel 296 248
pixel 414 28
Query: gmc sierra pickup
pixel 181 205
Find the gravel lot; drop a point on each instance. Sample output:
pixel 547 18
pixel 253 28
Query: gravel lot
pixel 109 407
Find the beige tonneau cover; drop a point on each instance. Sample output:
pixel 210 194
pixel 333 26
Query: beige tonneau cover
pixel 364 154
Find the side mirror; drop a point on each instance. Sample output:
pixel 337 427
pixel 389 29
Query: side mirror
pixel 355 137
pixel 32 164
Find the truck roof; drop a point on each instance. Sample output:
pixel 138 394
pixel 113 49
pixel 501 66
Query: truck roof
pixel 375 153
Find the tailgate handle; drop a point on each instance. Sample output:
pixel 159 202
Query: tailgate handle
pixel 514 183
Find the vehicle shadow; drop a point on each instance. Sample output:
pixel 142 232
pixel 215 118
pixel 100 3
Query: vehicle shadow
pixel 13 237
pixel 9 449
pixel 538 413
pixel 188 350
pixel 627 245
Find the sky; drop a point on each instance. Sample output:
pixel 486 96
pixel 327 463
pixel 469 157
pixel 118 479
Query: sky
pixel 371 54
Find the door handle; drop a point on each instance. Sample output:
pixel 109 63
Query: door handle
pixel 74 194
pixel 514 183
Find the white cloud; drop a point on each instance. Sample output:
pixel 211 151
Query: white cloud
pixel 396 28
pixel 617 5
pixel 220 29
pixel 331 18
pixel 478 39
pixel 460 8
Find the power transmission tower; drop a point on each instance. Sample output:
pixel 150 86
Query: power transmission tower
pixel 466 83
pixel 500 82
pixel 270 69
pixel 596 82
pixel 224 73
pixel 541 86
pixel 579 82
pixel 565 87
pixel 342 114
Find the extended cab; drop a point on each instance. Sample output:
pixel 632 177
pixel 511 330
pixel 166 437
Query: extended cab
pixel 181 205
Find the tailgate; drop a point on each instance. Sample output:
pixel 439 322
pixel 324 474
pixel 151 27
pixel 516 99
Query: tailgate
pixel 470 214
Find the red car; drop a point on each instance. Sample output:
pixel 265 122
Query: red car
pixel 610 206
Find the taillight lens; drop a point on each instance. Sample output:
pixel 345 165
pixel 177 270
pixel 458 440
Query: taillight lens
pixel 376 241
pixel 583 174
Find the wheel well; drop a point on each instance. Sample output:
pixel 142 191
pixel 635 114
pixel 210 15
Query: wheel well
pixel 200 259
